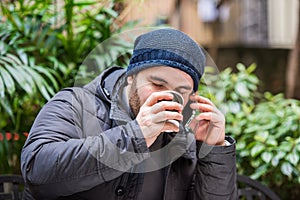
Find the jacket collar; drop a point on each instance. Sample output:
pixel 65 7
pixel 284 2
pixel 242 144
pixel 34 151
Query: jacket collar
pixel 109 86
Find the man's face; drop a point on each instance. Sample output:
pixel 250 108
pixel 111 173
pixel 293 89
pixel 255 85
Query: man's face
pixel 157 79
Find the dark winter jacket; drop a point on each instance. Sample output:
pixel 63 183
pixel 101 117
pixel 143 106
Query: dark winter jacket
pixel 84 145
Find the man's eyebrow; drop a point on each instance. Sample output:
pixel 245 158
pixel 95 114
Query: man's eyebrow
pixel 183 87
pixel 155 78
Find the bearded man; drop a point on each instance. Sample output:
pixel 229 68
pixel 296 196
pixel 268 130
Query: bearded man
pixel 133 133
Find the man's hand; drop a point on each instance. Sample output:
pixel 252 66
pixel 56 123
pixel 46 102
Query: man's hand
pixel 209 125
pixel 154 113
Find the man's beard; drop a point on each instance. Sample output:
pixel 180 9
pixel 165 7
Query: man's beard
pixel 134 99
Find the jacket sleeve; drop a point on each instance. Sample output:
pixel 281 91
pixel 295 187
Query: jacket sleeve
pixel 216 172
pixel 71 149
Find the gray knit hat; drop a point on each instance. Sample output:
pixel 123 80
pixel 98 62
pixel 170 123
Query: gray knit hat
pixel 168 47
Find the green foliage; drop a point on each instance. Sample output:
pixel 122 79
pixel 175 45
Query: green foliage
pixel 23 78
pixel 265 126
pixel 43 44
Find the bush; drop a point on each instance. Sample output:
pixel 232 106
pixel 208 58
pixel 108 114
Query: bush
pixel 265 126
pixel 42 46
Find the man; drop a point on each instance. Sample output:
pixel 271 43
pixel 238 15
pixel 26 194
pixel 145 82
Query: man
pixel 114 138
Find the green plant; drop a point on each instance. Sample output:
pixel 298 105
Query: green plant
pixel 270 143
pixel 61 36
pixel 42 47
pixel 265 126
pixel 21 81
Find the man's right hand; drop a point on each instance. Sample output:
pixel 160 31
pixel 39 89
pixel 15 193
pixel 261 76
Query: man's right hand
pixel 154 113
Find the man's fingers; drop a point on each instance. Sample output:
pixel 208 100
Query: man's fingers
pixel 202 107
pixel 208 110
pixel 166 105
pixel 166 115
pixel 200 99
pixel 158 96
pixel 212 117
pixel 204 116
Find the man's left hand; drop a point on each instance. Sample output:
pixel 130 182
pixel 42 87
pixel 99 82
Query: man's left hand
pixel 209 125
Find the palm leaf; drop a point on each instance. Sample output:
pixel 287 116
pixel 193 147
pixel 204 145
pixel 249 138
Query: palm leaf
pixel 7 107
pixel 49 73
pixel 23 80
pixel 7 81
pixel 40 82
pixel 1 88
pixel 26 75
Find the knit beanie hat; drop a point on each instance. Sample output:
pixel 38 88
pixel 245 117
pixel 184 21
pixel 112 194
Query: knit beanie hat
pixel 168 47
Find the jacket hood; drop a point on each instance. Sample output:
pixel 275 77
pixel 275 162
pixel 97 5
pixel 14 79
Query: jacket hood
pixel 109 86
pixel 102 86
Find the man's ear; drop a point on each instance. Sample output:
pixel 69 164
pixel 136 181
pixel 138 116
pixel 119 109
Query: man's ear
pixel 130 79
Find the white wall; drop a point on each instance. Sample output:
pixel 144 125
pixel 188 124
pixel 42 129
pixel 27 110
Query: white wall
pixel 283 22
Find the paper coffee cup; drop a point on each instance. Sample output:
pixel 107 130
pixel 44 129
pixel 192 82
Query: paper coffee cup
pixel 177 97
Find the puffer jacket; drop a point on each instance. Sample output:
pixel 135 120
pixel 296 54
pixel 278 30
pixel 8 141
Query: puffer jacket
pixel 84 145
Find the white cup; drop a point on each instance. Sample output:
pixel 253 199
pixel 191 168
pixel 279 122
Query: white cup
pixel 177 97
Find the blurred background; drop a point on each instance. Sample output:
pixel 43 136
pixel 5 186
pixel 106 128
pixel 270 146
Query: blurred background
pixel 247 31
pixel 254 44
